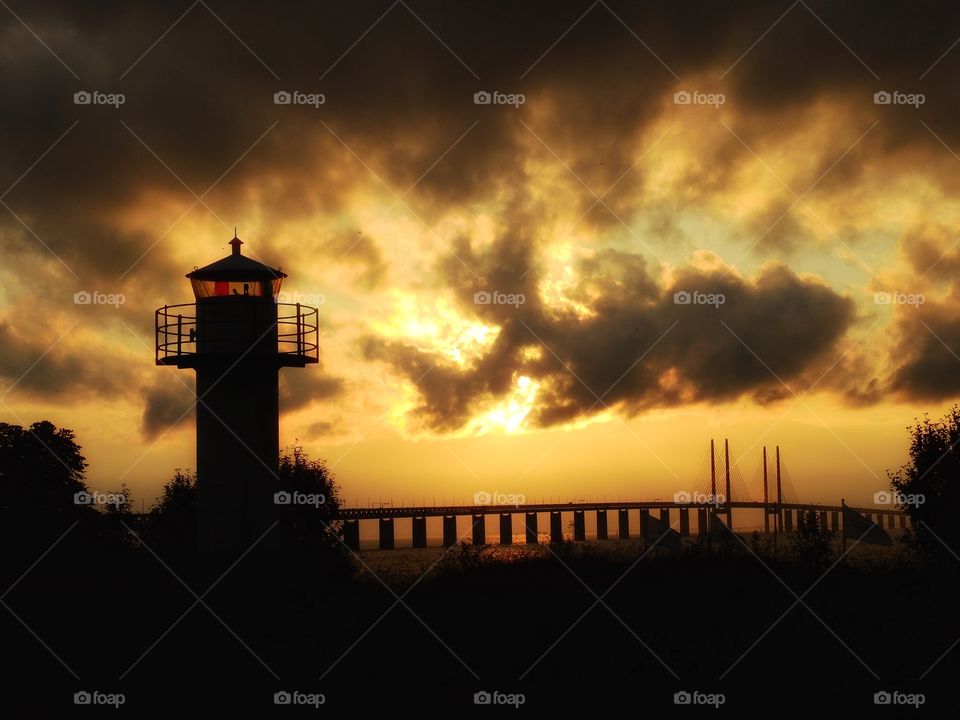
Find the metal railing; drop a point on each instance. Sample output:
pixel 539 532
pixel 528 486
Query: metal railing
pixel 176 331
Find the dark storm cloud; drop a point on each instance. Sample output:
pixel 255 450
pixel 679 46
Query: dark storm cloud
pixel 42 367
pixel 640 345
pixel 400 99
pixel 199 113
pixel 926 356
pixel 168 405
pixel 299 389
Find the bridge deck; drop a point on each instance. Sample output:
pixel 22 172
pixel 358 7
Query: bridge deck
pixel 435 511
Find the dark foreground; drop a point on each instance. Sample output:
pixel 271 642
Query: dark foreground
pixel 508 624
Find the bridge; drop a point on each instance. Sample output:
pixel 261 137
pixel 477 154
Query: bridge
pixel 711 511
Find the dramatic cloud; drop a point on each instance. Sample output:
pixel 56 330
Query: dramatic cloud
pixel 591 199
pixel 168 405
pixel 706 335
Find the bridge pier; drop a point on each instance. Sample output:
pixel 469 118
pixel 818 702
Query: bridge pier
pixel 788 520
pixel 890 520
pixel 702 522
pixel 479 530
pixel 556 526
pixel 386 533
pixel 823 519
pixel 623 522
pixel 684 522
pixel 506 529
pixel 644 523
pixel 420 532
pixel 835 521
pixel 530 522
pixel 601 524
pixel 903 520
pixel 351 534
pixel 449 530
pixel 665 516
pixel 579 526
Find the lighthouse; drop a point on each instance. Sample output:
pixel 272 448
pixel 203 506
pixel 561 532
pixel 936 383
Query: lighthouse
pixel 236 336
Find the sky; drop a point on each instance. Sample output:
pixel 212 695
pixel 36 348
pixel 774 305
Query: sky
pixel 556 246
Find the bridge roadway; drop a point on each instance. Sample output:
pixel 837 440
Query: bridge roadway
pixel 448 510
pixel 784 513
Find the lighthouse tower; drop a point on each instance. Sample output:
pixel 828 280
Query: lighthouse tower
pixel 236 336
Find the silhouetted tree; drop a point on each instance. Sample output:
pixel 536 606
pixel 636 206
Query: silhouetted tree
pixel 172 525
pixel 120 501
pixel 178 497
pixel 931 480
pixel 41 473
pixel 311 523
pixel 41 469
pixel 812 541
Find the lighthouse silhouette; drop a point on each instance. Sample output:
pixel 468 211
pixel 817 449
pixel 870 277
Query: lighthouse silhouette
pixel 236 336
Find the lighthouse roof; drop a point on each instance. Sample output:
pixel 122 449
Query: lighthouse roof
pixel 236 267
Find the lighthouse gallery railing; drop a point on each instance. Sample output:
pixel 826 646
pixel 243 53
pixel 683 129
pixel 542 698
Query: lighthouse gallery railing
pixel 297 335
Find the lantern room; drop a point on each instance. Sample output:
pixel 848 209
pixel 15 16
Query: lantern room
pixel 236 316
pixel 236 275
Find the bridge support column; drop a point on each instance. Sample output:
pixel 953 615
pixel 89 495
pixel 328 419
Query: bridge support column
pixel 788 520
pixel 834 521
pixel 623 521
pixel 601 524
pixel 903 520
pixel 479 530
pixel 351 534
pixel 556 526
pixel 702 528
pixel 644 522
pixel 823 519
pixel 579 526
pixel 530 521
pixel 386 533
pixel 506 529
pixel 665 516
pixel 449 530
pixel 419 532
pixel 684 522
